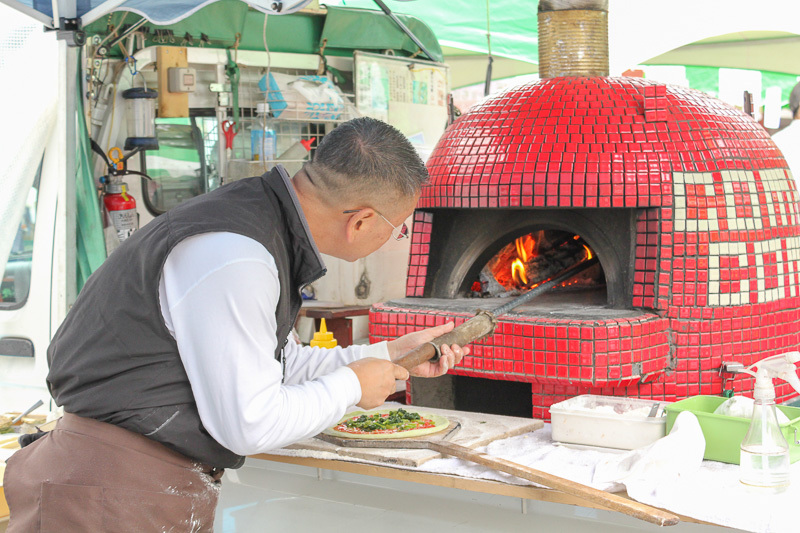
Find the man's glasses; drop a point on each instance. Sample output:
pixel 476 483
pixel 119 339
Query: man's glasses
pixel 398 232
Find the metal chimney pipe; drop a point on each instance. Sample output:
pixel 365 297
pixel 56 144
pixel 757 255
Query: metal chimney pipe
pixel 573 38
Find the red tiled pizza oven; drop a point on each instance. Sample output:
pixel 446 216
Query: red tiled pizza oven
pixel 686 202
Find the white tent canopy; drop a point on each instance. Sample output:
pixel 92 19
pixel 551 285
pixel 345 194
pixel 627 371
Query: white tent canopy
pixel 734 34
pixel 156 11
pixel 710 33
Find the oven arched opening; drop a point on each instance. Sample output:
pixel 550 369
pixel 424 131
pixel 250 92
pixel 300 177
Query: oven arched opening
pixel 463 241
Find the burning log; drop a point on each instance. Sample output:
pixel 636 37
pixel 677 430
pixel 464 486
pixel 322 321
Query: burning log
pixel 528 262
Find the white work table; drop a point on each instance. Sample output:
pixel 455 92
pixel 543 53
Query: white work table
pixel 304 489
pixel 307 488
pixel 274 492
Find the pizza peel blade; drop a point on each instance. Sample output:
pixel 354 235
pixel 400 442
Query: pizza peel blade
pixel 439 442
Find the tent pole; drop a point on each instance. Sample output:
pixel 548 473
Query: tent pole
pixel 64 260
pixel 403 27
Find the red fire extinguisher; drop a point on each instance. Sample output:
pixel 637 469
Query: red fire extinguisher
pixel 121 208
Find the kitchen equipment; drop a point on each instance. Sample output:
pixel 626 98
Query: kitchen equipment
pixel 764 457
pixel 724 433
pixel 27 411
pixel 477 429
pixel 612 422
pixel 140 106
pixel 439 442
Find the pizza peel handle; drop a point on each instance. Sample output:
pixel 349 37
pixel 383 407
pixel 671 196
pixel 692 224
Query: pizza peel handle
pixel 417 356
pixel 606 499
pixel 483 323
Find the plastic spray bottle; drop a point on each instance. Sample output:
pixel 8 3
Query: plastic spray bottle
pixel 262 138
pixel 764 460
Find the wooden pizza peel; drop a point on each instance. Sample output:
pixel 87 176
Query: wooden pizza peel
pixel 476 430
pixel 441 442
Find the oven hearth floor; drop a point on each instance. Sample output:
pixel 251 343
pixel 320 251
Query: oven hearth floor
pixel 575 307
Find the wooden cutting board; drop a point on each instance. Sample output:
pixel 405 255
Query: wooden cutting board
pixel 477 429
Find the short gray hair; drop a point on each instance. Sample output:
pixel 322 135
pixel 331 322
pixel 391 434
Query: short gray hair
pixel 366 158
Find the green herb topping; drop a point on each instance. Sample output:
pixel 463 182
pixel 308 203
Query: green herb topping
pixel 398 420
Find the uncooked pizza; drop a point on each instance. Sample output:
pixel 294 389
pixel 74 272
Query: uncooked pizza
pixel 388 424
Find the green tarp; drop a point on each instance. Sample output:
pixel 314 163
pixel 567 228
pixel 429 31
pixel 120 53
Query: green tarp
pixel 231 23
pixel 91 248
pixel 348 29
pixel 463 25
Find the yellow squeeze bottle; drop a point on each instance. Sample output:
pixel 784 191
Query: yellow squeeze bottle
pixel 323 338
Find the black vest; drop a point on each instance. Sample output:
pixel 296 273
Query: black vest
pixel 113 358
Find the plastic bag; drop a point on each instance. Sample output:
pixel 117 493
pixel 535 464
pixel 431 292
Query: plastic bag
pixel 742 407
pixel 303 97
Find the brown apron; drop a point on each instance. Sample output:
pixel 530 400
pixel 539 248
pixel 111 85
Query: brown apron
pixel 87 475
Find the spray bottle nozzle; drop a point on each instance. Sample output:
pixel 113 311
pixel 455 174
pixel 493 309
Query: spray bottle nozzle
pixel 778 366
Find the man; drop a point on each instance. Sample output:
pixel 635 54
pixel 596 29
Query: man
pixel 175 361
pixel 788 139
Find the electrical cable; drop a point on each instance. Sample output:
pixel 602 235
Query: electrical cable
pixel 113 112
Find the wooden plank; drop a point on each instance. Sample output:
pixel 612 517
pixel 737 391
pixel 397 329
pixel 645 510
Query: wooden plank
pixel 447 480
pixel 170 105
pixel 338 318
pixel 626 506
pixel 329 312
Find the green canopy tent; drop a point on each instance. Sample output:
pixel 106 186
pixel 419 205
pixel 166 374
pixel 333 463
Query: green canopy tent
pixel 224 24
pixel 701 33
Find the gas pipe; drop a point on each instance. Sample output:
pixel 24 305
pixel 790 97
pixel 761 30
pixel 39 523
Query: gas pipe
pixel 121 208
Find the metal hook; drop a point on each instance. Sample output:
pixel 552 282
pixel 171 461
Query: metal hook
pixel 732 368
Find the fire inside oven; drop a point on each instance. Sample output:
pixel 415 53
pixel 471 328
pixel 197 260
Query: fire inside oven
pixel 499 254
pixel 536 258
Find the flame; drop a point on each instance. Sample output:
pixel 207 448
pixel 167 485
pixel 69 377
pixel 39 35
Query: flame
pixel 522 253
pixel 510 266
pixel 525 246
pixel 518 272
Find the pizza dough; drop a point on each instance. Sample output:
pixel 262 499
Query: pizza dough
pixel 440 423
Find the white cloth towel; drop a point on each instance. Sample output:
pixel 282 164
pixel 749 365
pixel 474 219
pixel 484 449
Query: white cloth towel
pixel 666 461
pixel 669 473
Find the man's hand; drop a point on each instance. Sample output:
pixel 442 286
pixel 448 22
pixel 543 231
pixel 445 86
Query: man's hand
pixel 377 378
pixel 451 355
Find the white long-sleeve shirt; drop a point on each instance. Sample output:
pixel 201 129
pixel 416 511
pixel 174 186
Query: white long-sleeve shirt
pixel 218 294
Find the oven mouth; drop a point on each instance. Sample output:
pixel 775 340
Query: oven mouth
pixel 466 245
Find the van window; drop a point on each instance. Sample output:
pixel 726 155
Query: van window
pixel 16 282
pixel 184 166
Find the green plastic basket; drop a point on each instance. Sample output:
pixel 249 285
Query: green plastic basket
pixel 724 434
